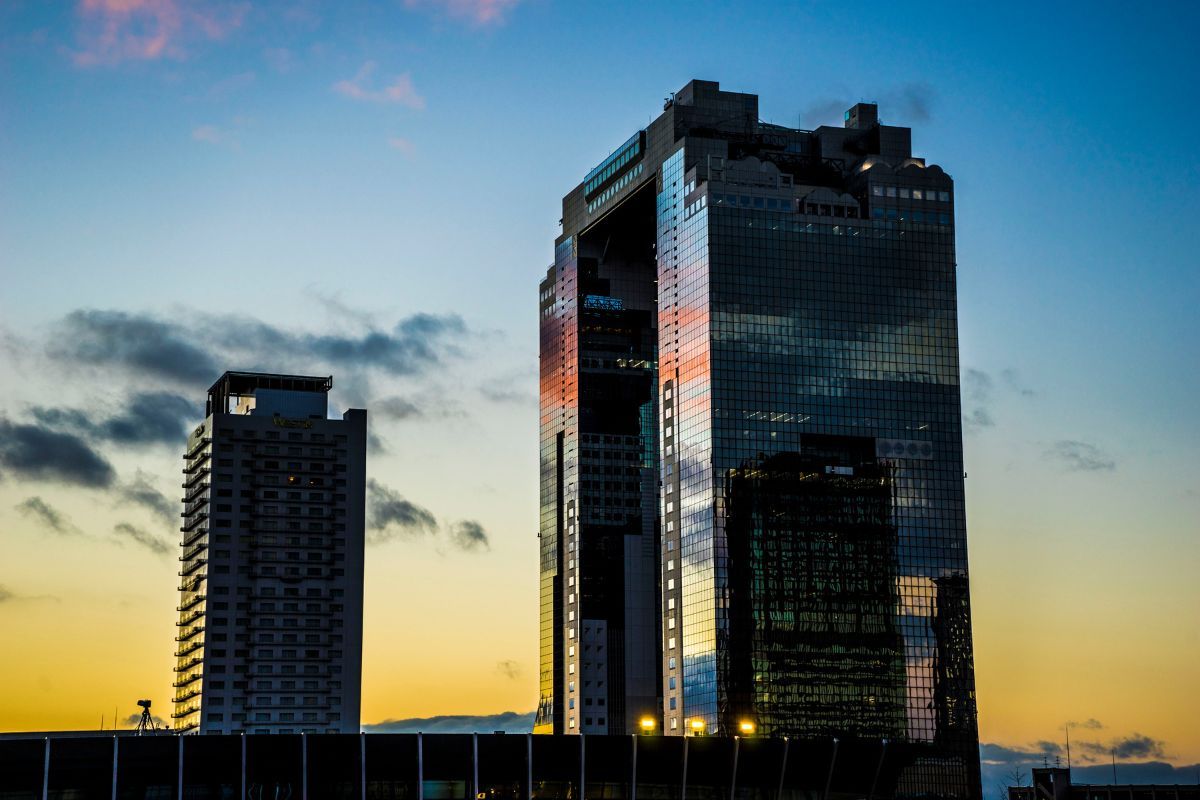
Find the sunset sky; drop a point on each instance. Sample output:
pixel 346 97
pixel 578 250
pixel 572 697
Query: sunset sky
pixel 372 189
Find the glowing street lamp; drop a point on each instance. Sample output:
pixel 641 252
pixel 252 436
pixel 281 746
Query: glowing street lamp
pixel 746 727
pixel 697 727
pixel 647 724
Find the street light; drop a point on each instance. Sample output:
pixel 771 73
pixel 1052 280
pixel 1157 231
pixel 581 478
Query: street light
pixel 746 727
pixel 647 724
pixel 697 727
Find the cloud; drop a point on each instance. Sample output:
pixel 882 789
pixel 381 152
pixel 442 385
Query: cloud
pixel 996 754
pixel 1136 746
pixel 405 146
pixel 1080 457
pixel 476 12
pixel 196 350
pixel 1090 724
pixel 5 594
pixel 127 532
pixel 400 91
pixel 467 534
pixel 503 395
pixel 398 408
pixel 978 419
pixel 148 418
pixel 279 59
pixel 913 101
pixel 390 516
pixel 48 515
pixel 112 31
pixel 827 111
pixel 1012 380
pixel 35 452
pixel 402 409
pixel 140 342
pixel 140 491
pixel 133 719
pixel 509 669
pixel 508 721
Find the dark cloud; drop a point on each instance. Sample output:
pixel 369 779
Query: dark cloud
pixel 126 532
pixel 509 669
pixel 142 492
pixel 390 516
pixel 36 452
pixel 1080 456
pixel 150 418
pixel 978 419
pixel 500 394
pixel 144 344
pixel 48 515
pixel 399 408
pixel 977 385
pixel 996 754
pixel 827 111
pixel 467 534
pixel 1089 724
pixel 197 347
pixel 913 103
pixel 1134 746
pixel 508 721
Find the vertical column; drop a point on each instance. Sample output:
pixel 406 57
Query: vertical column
pixel 582 769
pixel 243 766
pixel 303 766
pixel 829 777
pixel 114 772
pixel 46 772
pixel 420 768
pixel 878 768
pixel 633 770
pixel 737 746
pixel 529 766
pixel 362 765
pixel 475 764
pixel 782 769
pixel 683 783
pixel 179 767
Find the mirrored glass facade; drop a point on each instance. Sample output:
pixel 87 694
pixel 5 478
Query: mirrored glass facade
pixel 812 561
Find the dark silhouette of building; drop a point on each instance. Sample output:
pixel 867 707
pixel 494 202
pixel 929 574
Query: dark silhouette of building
pixel 457 767
pixel 270 613
pixel 763 319
pixel 1054 783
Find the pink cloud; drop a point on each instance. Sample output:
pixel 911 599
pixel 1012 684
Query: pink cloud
pixel 112 31
pixel 477 12
pixel 405 146
pixel 400 90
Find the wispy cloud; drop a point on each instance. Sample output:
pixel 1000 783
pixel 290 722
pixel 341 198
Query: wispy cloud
pixel 400 91
pixel 1078 456
pixel 390 516
pixel 509 669
pixel 405 146
pixel 476 12
pixel 112 31
pixel 146 418
pixel 508 721
pixel 467 534
pixel 50 517
pixel 140 491
pixel 125 532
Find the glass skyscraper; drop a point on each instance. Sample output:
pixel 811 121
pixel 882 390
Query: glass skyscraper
pixel 750 390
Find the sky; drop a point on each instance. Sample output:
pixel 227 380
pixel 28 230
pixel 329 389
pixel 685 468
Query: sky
pixel 372 190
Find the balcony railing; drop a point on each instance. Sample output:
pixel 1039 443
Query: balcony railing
pixel 199 598
pixel 195 551
pixel 191 523
pixel 183 698
pixel 195 615
pixel 188 665
pixel 189 633
pixel 191 677
pixel 186 712
pixel 190 647
pixel 194 584
pixel 192 567
pixel 194 476
pixel 193 491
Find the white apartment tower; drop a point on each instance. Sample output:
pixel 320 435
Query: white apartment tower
pixel 271 577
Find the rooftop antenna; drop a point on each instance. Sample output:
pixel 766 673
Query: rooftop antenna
pixel 146 723
pixel 1114 756
pixel 1067 730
